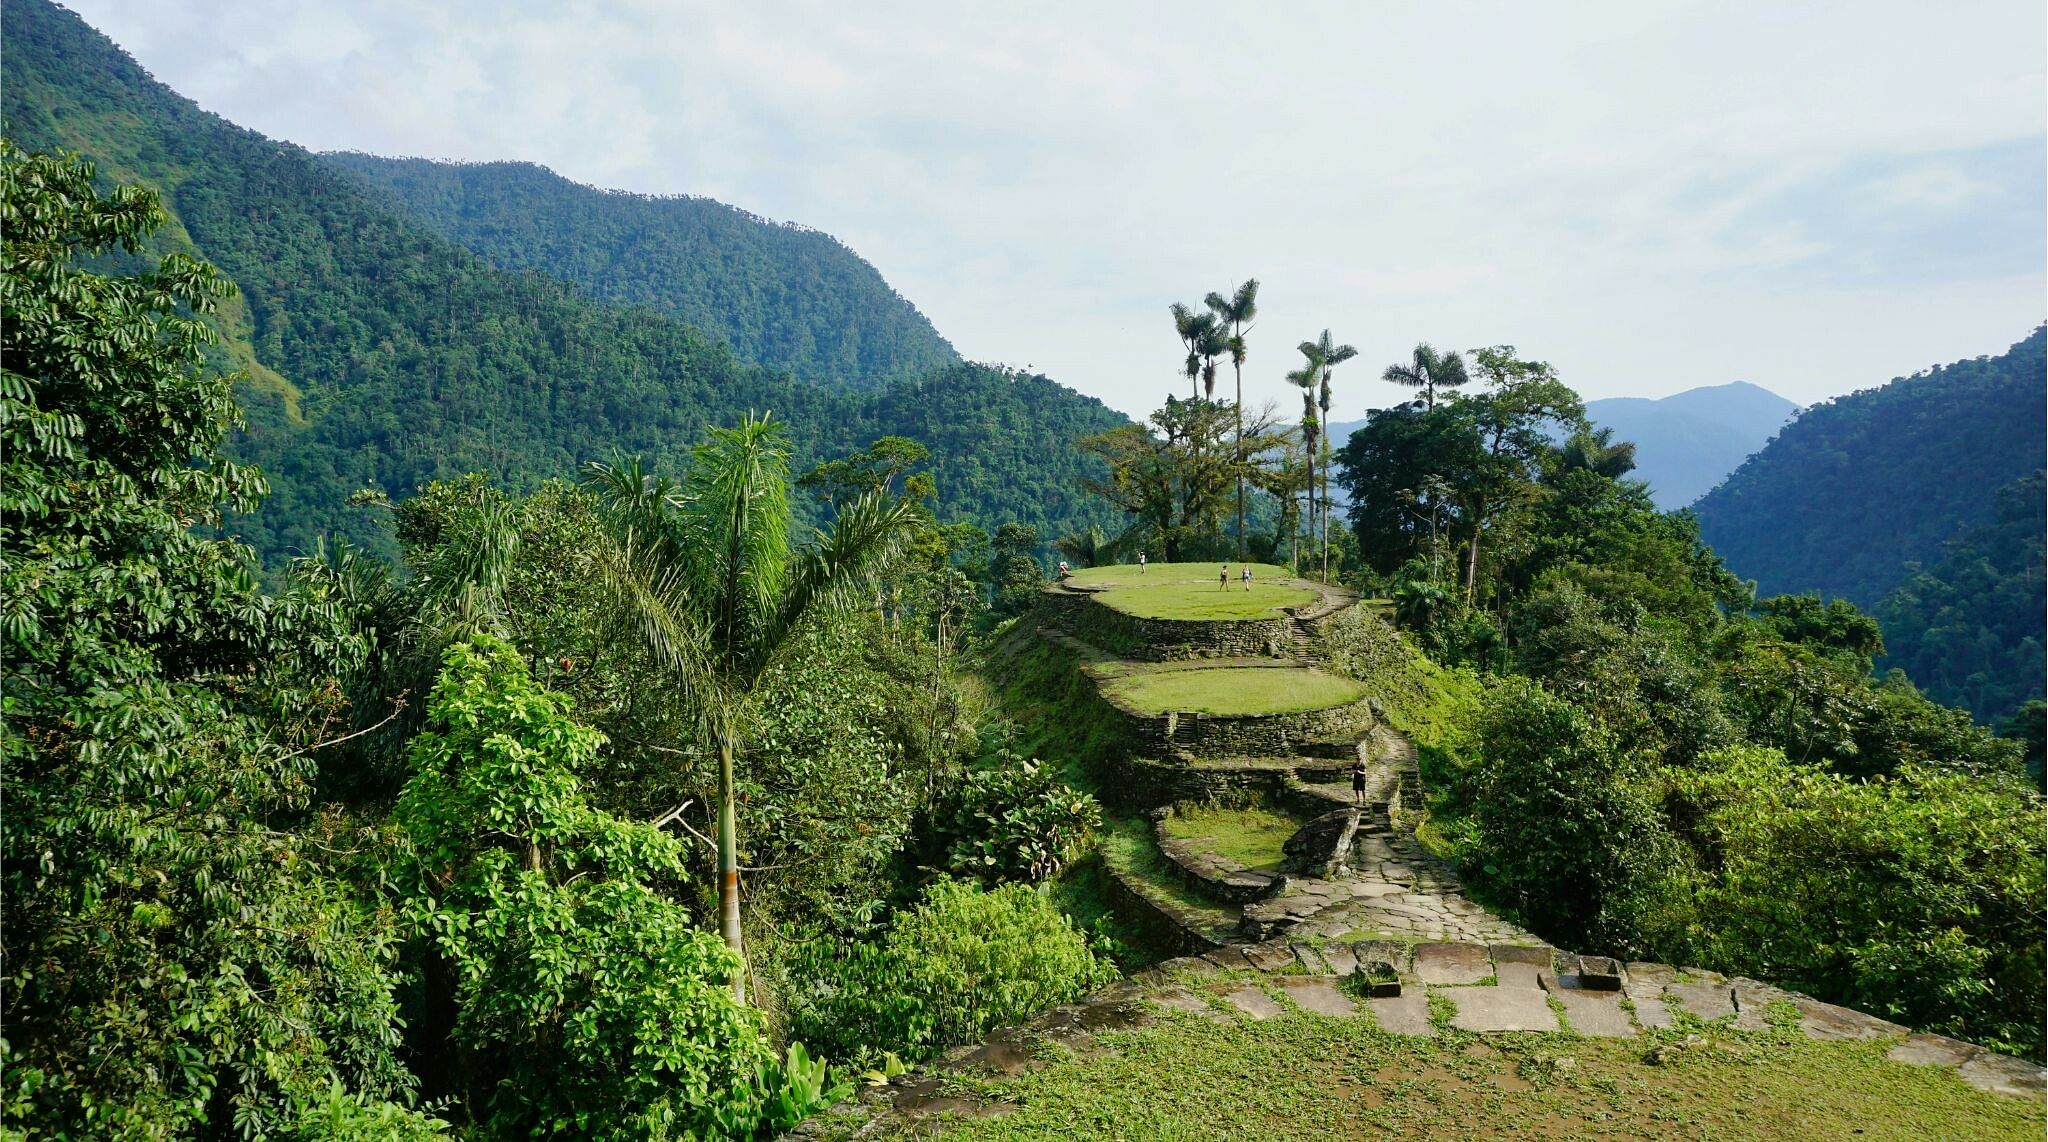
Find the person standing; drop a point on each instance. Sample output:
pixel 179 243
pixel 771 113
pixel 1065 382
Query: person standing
pixel 1141 563
pixel 1223 579
pixel 1246 574
pixel 1358 781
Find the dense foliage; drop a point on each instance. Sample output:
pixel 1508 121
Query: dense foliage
pixel 783 296
pixel 188 946
pixel 963 962
pixel 379 354
pixel 1860 486
pixel 1968 627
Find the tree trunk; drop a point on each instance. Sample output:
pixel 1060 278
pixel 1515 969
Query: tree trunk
pixel 1472 567
pixel 729 869
pixel 1239 370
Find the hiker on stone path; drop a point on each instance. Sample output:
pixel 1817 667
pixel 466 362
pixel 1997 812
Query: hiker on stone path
pixel 1247 576
pixel 1223 580
pixel 1358 781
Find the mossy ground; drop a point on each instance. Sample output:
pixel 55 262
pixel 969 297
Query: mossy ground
pixel 1197 574
pixel 1233 691
pixel 1307 1076
pixel 1249 836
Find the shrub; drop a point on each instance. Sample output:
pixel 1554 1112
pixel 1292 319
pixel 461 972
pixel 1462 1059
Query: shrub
pixel 1014 819
pixel 964 961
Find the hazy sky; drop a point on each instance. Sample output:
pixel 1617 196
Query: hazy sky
pixel 1651 196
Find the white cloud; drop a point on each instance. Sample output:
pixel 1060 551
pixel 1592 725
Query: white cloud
pixel 1638 192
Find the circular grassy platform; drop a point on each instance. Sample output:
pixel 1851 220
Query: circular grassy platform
pixel 1233 691
pixel 1249 837
pixel 1191 591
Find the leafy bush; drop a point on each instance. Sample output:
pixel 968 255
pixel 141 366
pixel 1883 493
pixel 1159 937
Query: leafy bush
pixel 964 961
pixel 587 1002
pixel 1014 819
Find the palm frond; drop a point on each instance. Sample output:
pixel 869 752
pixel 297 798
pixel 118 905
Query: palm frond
pixel 840 564
pixel 735 515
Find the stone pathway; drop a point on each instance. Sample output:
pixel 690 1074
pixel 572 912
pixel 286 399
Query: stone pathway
pixel 1489 989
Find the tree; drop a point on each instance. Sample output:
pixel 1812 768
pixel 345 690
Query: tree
pixel 707 573
pixel 1512 420
pixel 1306 379
pixel 1595 450
pixel 1327 354
pixel 1429 371
pixel 586 1000
pixel 1171 473
pixel 1196 334
pixel 1236 312
pixel 876 469
pixel 184 956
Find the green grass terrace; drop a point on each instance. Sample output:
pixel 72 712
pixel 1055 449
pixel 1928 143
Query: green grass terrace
pixel 1191 591
pixel 1231 691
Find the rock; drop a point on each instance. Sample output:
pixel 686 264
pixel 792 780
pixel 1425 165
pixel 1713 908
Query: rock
pixel 1231 958
pixel 1934 1051
pixel 1310 960
pixel 1518 966
pixel 1596 1013
pixel 1254 1003
pixel 1340 958
pixel 1709 1001
pixel 1659 1056
pixel 1270 957
pixel 1393 952
pixel 1500 1009
pixel 1653 1013
pixel 1648 980
pixel 1407 1014
pixel 2003 1074
pixel 1314 993
pixel 1598 973
pixel 1452 963
pixel 1182 1000
pixel 1323 846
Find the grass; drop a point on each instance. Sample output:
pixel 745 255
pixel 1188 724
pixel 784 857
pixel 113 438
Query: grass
pixel 1251 837
pixel 1233 690
pixel 1205 601
pixel 1302 1076
pixel 1127 574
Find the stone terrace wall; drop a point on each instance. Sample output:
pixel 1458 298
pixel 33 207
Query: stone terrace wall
pixel 1165 640
pixel 1259 735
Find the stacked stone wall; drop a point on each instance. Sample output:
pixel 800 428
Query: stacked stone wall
pixel 1168 640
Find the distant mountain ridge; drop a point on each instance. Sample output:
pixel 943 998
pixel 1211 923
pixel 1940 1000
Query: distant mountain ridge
pixel 1685 443
pixel 1688 442
pixel 1860 486
pixel 781 295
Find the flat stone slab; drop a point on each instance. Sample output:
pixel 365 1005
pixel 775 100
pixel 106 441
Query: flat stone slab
pixel 2003 1074
pixel 1386 951
pixel 1451 963
pixel 1182 1000
pixel 1270 957
pixel 1648 980
pixel 1231 957
pixel 1517 975
pixel 1341 959
pixel 1254 1003
pixel 1404 1014
pixel 1709 1001
pixel 1597 1014
pixel 1500 1009
pixel 1933 1051
pixel 1313 993
pixel 1652 1013
pixel 1310 960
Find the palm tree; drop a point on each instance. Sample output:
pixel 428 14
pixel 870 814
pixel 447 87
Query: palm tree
pixel 1237 311
pixel 1213 343
pixel 1429 371
pixel 705 571
pixel 1306 378
pixel 1328 355
pixel 1194 328
pixel 1595 451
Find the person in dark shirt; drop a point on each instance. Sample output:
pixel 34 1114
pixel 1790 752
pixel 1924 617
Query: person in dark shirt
pixel 1358 782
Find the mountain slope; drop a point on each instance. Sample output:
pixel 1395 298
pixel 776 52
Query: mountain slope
pixel 782 296
pixel 1688 442
pixel 1968 629
pixel 1859 486
pixel 383 355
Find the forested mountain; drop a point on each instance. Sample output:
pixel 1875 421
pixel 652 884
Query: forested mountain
pixel 1968 629
pixel 1688 442
pixel 782 296
pixel 1858 487
pixel 383 355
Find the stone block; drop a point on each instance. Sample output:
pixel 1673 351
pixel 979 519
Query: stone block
pixel 1452 963
pixel 1934 1051
pixel 1405 1014
pixel 1315 993
pixel 1254 1002
pixel 1311 961
pixel 1598 973
pixel 1709 1001
pixel 1182 1000
pixel 2003 1074
pixel 1193 965
pixel 1596 1013
pixel 1828 1021
pixel 1539 956
pixel 1512 974
pixel 1393 952
pixel 1653 1014
pixel 1270 957
pixel 1647 980
pixel 1340 958
pixel 1230 957
pixel 1500 1009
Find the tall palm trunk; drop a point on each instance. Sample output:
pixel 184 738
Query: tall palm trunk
pixel 1238 368
pixel 729 868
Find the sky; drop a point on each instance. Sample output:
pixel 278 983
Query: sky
pixel 1650 196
